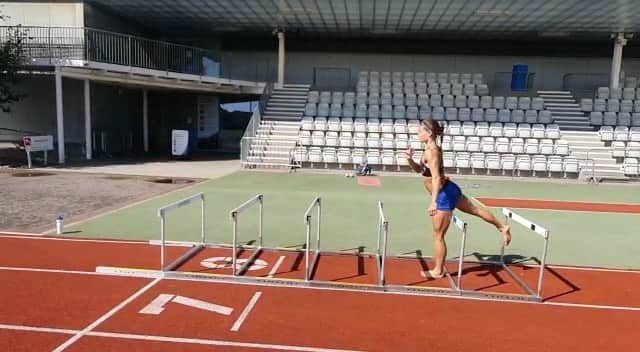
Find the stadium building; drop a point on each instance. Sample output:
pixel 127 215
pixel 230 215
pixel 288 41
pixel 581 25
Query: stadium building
pixel 543 88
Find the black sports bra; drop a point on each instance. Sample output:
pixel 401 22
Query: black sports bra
pixel 426 172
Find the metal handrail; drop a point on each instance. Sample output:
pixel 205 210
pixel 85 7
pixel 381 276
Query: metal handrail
pixel 51 45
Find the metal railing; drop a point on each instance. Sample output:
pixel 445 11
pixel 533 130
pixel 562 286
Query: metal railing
pixel 256 117
pixel 52 45
pixel 254 123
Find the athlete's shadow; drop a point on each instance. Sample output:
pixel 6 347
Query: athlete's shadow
pixel 524 265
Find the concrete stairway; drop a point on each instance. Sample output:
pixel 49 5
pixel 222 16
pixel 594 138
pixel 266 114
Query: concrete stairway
pixel 595 157
pixel 565 111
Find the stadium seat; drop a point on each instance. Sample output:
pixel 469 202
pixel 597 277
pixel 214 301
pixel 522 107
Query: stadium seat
pixel 362 98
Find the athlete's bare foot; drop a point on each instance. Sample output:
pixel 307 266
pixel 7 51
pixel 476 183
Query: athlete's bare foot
pixel 506 234
pixel 431 274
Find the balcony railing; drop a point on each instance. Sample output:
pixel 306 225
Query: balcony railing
pixel 53 45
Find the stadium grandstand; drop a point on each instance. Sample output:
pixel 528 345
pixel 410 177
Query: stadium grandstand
pixel 319 175
pixel 545 88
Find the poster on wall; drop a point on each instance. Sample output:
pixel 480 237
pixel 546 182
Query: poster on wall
pixel 179 142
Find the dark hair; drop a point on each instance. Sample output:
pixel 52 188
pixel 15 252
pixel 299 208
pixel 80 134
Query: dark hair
pixel 433 126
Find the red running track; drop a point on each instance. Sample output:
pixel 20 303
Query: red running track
pixel 72 308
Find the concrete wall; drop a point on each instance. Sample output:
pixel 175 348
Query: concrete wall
pixel 37 112
pixel 551 73
pixel 68 14
pixel 99 18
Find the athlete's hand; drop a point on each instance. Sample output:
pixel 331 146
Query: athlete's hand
pixel 432 209
pixel 409 153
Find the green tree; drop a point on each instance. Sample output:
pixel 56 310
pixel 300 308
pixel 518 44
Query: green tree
pixel 12 61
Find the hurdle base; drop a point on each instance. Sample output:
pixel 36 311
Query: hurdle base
pixel 285 282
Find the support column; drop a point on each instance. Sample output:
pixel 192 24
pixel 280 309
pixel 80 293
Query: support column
pixel 88 145
pixel 616 62
pixel 59 115
pixel 280 58
pixel 145 120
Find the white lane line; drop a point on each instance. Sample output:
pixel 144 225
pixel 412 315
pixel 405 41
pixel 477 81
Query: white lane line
pixel 154 274
pixel 52 271
pixel 187 244
pixel 477 201
pixel 114 335
pixel 216 342
pixel 563 201
pixel 50 238
pixel 593 306
pixel 275 268
pixel 245 313
pixel 29 234
pixel 106 316
pixel 38 329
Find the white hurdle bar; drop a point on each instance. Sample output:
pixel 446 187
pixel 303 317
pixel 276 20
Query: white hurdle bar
pixel 163 230
pixel 316 203
pixel 540 230
pixel 258 199
pixel 463 227
pixel 381 250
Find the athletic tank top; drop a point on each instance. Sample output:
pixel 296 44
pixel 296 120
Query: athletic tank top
pixel 426 172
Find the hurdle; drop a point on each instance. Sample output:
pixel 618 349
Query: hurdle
pixel 309 269
pixel 162 212
pixel 544 233
pixel 312 251
pixel 455 285
pixel 381 250
pixel 234 214
pixel 316 251
pixel 462 226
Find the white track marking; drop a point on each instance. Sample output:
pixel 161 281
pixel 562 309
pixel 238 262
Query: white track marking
pixel 155 338
pixel 212 279
pixel 50 238
pixel 562 201
pixel 154 274
pixel 22 234
pixel 157 305
pixel 562 210
pixel 106 316
pixel 186 244
pixel 592 306
pixel 276 266
pixel 37 329
pixel 55 271
pixel 476 200
pixel 245 313
pixel 196 303
pixel 216 342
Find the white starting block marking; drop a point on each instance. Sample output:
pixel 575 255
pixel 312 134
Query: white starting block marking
pixel 226 263
pixel 157 305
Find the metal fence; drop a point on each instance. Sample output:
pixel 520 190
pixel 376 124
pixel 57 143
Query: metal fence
pixel 51 45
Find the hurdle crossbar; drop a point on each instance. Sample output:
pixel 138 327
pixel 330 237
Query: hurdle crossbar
pixel 309 269
pixel 235 213
pixel 540 230
pixel 460 224
pixel 162 212
pixel 381 251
